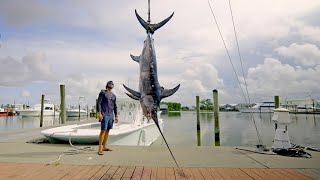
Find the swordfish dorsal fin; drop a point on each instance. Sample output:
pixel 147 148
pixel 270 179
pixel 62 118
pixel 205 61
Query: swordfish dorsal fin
pixel 151 28
pixel 133 92
pixel 133 97
pixel 135 58
pixel 168 92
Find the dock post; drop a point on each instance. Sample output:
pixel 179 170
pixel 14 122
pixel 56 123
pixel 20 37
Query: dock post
pixel 62 105
pixel 276 102
pixel 198 121
pixel 42 107
pixel 79 111
pixel 216 118
pixel 276 105
pixel 87 110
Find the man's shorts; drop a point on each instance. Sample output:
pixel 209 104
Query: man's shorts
pixel 107 122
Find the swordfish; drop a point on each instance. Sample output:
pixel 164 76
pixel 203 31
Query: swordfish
pixel 150 92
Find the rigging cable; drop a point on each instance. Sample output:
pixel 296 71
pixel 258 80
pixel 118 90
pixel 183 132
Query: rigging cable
pixel 245 97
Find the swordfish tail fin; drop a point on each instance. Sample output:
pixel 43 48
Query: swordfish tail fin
pixel 151 28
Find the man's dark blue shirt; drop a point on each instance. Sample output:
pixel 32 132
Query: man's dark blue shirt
pixel 107 103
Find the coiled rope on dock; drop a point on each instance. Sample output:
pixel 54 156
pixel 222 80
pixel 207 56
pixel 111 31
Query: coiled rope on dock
pixel 75 150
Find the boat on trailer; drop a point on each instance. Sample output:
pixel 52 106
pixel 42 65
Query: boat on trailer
pixel 132 129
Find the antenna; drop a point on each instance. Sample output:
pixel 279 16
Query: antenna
pixel 149 12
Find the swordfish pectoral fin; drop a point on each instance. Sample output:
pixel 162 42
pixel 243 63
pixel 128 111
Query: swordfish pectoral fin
pixel 135 58
pixel 168 92
pixel 152 27
pixel 133 92
pixel 133 97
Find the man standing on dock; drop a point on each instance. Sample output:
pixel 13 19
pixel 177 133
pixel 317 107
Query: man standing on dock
pixel 107 109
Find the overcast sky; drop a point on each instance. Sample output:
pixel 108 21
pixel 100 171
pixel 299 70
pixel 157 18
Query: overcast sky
pixel 84 44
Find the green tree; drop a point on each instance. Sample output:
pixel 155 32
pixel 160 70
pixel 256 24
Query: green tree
pixel 206 104
pixel 173 106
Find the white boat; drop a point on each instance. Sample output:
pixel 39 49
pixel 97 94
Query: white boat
pixel 48 110
pixel 75 112
pixel 264 107
pixel 132 129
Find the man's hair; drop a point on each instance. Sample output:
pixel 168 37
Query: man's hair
pixel 109 82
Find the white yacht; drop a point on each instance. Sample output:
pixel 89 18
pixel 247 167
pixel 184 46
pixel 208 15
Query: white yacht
pixel 75 112
pixel 48 110
pixel 132 129
pixel 263 107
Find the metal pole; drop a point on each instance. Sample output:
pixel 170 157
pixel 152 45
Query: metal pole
pixel 41 114
pixel 216 118
pixel 54 110
pixel 198 121
pixel 62 105
pixel 149 12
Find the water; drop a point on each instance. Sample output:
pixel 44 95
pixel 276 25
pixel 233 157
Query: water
pixel 16 123
pixel 236 129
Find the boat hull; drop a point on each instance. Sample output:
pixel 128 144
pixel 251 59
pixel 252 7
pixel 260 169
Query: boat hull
pixel 75 113
pixel 256 110
pixel 35 113
pixel 143 135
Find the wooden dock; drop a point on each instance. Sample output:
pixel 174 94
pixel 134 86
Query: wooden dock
pixel 41 171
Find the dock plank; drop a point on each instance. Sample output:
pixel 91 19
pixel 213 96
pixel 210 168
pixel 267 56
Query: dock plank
pixel 297 174
pixel 241 174
pixel 188 174
pixel 119 173
pixel 179 174
pixel 309 173
pixel 53 172
pixel 146 175
pixel 170 174
pixel 92 172
pixel 154 171
pixel 73 173
pixel 137 173
pixel 205 173
pixel 251 173
pixel 109 174
pixel 161 173
pixel 196 173
pixel 100 172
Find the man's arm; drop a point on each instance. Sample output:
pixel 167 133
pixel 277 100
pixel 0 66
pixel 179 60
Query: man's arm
pixel 115 108
pixel 99 105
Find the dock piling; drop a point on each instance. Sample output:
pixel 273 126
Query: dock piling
pixel 62 105
pixel 276 102
pixel 216 118
pixel 42 107
pixel 198 121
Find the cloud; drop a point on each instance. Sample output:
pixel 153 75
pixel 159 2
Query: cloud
pixel 275 78
pixel 31 68
pixel 304 54
pixel 25 94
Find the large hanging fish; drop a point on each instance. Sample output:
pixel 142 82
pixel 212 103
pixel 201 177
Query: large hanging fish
pixel 150 92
